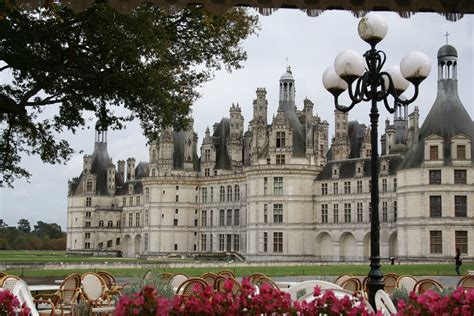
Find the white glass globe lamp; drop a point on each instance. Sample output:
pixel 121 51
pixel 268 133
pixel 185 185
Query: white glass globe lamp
pixel 372 28
pixel 415 67
pixel 333 83
pixel 349 65
pixel 400 83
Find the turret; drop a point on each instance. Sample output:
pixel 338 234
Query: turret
pixel 87 163
pixel 111 178
pixel 121 168
pixel 130 169
pixel 340 146
pixel 287 88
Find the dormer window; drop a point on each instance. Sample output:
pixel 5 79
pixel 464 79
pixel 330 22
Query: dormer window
pixel 335 171
pixel 130 189
pixel 461 152
pixel 280 139
pixel 434 153
pixel 89 186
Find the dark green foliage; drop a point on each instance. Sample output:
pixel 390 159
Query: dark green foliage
pixel 146 64
pixel 45 236
pixel 24 225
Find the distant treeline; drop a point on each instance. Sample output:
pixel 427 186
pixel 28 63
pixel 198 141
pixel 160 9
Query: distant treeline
pixel 43 236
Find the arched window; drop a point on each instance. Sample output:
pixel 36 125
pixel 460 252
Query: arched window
pixel 229 193
pixel 237 192
pixel 101 223
pixel 222 194
pixel 110 224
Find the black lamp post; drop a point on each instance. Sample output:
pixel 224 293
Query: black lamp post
pixel 366 80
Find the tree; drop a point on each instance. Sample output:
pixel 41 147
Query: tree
pixel 52 230
pixel 24 226
pixel 146 65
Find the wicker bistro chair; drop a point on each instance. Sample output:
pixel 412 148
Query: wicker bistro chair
pixel 210 278
pixel 188 287
pixel 390 282
pixel 384 303
pixel 342 278
pixel 427 284
pixel 302 288
pixel 2 275
pixel 266 280
pixel 112 287
pixel 165 276
pixel 467 282
pixel 23 294
pixel 94 291
pixel 177 280
pixel 253 278
pixel 227 274
pixel 220 285
pixel 352 284
pixel 66 296
pixel 407 282
pixel 8 282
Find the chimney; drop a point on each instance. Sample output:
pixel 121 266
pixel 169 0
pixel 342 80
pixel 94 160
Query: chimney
pixel 121 168
pixel 130 169
pixel 87 163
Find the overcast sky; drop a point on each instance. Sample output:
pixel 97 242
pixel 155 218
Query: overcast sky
pixel 310 45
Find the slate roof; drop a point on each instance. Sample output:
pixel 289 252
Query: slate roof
pixel 219 138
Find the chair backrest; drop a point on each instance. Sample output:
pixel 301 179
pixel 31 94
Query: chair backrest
pixel 70 287
pixel 365 281
pixel 226 274
pixel 188 287
pixel 93 286
pixel 220 285
pixel 390 281
pixel 266 280
pixel 352 284
pixel 23 294
pixel 210 278
pixel 467 281
pixel 302 288
pixel 177 280
pixel 384 304
pixel 427 284
pixel 8 282
pixel 342 278
pixel 108 278
pixel 165 276
pixel 2 274
pixel 406 281
pixel 253 278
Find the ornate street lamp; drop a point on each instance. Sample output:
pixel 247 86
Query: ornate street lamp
pixel 366 80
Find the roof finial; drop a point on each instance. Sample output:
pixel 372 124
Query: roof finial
pixel 447 34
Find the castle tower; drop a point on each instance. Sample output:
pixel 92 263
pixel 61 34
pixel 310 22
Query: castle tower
pixel 234 145
pixel 340 143
pixel 287 88
pixel 258 125
pixel 130 169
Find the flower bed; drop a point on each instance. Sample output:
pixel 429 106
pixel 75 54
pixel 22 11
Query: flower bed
pixel 9 305
pixel 273 302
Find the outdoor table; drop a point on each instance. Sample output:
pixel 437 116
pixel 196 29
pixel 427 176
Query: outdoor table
pixel 43 288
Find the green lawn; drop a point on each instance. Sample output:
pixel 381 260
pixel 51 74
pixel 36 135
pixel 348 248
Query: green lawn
pixel 315 269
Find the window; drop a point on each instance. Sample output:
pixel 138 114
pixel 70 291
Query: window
pixel 359 186
pixel 280 159
pixel 87 245
pixel 324 189
pixel 461 240
pixel 277 242
pixel 118 224
pixel 88 224
pixel 384 212
pixel 435 176
pixel 177 198
pixel 435 206
pixel 236 217
pixel 130 201
pixel 221 218
pixel 110 224
pixel 130 219
pixel 87 236
pixel 395 211
pixel 124 201
pixel 203 242
pixel 229 193
pixel 324 213
pixel 335 188
pixel 434 153
pixel 360 218
pixel 89 186
pixel 384 185
pixel 436 241
pixel 347 212
pixel 176 211
pixel 175 222
pixel 265 213
pixel 203 218
pixel 88 201
pixel 207 155
pixel 459 176
pixel 117 241
pixel 265 186
pixel 336 213
pixel 460 205
pixel 278 186
pixel 175 247
pixel 137 219
pixel 221 242
pixel 229 218
pixel 211 218
pixel 394 184
pixel 212 194
pixel 177 187
pixel 280 139
pixel 88 214
pixel 204 195
pixel 100 245
pixel 210 243
pixel 145 242
pixel 347 187
pixel 137 200
pixel 147 217
pixel 265 242
pixel 278 213
pixel 222 194
pixel 237 193
pixel 236 242
pixel 461 152
pixel 147 195
pixel 153 172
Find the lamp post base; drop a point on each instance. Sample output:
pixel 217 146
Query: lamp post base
pixel 375 282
